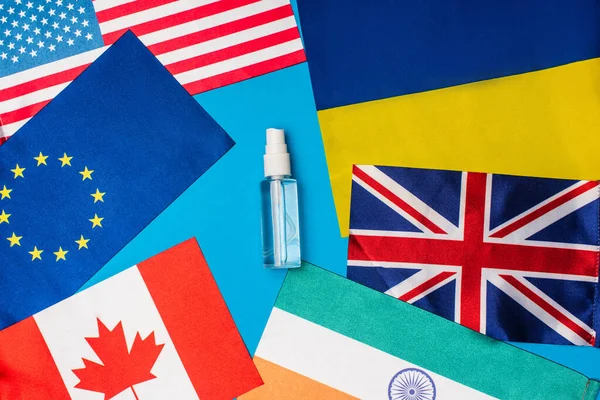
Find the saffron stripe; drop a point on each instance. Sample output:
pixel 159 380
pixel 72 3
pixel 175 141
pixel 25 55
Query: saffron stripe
pixel 177 19
pixel 426 286
pixel 563 319
pixel 250 71
pixel 545 209
pixel 397 201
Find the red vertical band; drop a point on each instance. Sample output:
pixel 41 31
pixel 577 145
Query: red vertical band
pixel 27 369
pixel 199 323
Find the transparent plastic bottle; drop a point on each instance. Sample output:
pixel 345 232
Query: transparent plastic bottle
pixel 279 194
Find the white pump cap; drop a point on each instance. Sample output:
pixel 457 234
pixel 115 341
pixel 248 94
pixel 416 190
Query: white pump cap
pixel 277 158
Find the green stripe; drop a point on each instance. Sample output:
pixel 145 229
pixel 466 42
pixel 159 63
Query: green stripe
pixel 422 338
pixel 592 389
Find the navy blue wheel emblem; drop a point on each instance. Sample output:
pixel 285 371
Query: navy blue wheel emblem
pixel 411 384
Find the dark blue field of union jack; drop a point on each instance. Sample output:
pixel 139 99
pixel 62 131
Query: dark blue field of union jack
pixel 513 257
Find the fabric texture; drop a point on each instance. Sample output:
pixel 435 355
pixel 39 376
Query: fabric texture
pixel 513 257
pixel 91 170
pixel 139 333
pixel 330 305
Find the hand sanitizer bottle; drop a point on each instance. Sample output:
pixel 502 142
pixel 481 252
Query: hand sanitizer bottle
pixel 280 231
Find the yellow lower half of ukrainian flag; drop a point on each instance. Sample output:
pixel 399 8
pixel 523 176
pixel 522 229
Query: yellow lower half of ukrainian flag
pixel 544 123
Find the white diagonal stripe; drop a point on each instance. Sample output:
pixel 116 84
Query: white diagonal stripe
pixel 416 280
pixel 550 217
pixel 539 312
pixel 409 198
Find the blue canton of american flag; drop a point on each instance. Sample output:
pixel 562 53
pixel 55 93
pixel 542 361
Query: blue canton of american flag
pixel 513 257
pixel 35 33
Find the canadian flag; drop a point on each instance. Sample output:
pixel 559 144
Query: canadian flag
pixel 158 330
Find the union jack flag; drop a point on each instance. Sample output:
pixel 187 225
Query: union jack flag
pixel 515 258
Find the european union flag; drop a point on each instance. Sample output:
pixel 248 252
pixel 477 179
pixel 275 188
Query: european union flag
pixel 91 170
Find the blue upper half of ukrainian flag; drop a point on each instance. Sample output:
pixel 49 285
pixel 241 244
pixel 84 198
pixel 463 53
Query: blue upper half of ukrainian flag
pixel 360 51
pixel 91 170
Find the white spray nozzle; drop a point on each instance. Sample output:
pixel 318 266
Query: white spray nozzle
pixel 277 158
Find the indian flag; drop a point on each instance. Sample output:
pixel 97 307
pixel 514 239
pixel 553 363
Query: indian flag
pixel 331 338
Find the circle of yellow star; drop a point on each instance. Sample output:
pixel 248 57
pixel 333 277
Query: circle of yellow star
pixel 18 171
pixel 41 159
pixel 36 254
pixel 4 217
pixel 96 221
pixel 66 160
pixel 87 174
pixel 5 192
pixel 82 242
pixel 98 196
pixel 60 254
pixel 14 239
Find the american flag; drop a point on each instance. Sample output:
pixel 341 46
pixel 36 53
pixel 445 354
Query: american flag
pixel 205 44
pixel 512 257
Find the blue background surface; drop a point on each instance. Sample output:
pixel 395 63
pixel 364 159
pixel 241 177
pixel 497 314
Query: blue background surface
pixel 222 208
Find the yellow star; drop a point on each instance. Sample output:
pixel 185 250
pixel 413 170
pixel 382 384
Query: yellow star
pixel 18 171
pixel 98 196
pixel 66 160
pixel 4 217
pixel 14 239
pixel 87 174
pixel 60 254
pixel 96 221
pixel 82 242
pixel 5 193
pixel 41 159
pixel 36 254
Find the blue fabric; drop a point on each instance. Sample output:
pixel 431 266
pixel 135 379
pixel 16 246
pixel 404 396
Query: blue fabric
pixel 520 193
pixel 378 215
pixel 144 149
pixel 442 190
pixel 583 223
pixel 365 50
pixel 508 320
pixel 387 238
pixel 379 278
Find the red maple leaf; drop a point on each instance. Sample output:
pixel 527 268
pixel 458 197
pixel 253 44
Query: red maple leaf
pixel 120 368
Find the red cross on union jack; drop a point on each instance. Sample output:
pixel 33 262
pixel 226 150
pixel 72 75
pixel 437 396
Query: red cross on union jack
pixel 472 255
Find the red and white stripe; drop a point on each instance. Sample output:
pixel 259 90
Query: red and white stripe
pixel 205 44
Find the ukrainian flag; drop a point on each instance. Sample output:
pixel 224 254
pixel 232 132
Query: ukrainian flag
pixel 497 86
